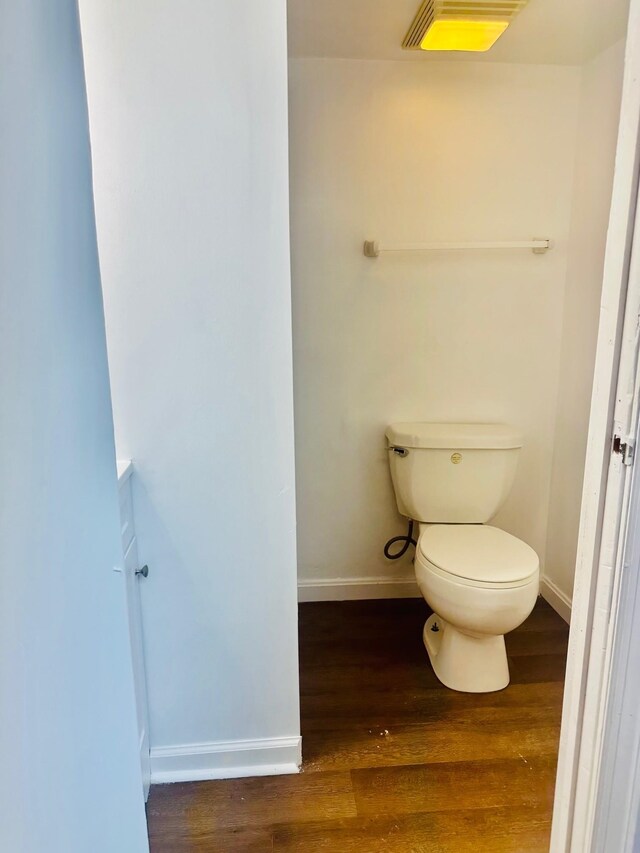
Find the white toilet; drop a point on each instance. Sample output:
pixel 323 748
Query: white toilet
pixel 480 581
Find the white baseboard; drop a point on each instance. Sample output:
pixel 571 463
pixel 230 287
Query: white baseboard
pixel 197 762
pixel 356 589
pixel 554 596
pixel 348 589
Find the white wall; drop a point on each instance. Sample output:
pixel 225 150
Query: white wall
pixel 188 109
pixel 422 152
pixel 595 152
pixel 69 774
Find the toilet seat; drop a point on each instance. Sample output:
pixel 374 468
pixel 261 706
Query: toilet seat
pixel 478 555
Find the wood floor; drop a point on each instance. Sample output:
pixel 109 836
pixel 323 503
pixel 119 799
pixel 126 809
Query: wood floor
pixel 393 761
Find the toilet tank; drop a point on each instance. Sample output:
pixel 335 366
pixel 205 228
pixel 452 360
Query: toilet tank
pixel 452 473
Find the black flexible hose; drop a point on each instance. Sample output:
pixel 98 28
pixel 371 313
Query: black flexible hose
pixel 408 542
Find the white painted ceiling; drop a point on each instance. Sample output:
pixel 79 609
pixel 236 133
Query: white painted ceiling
pixel 559 32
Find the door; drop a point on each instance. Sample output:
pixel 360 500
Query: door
pixel 69 778
pixel 133 580
pixel 135 574
pixel 618 794
pixel 616 545
pixel 606 522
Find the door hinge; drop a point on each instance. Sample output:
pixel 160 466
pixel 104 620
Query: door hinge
pixel 626 449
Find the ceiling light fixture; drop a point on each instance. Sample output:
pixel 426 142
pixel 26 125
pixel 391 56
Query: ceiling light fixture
pixel 469 25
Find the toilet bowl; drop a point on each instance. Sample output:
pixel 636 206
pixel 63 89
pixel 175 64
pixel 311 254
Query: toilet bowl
pixel 482 583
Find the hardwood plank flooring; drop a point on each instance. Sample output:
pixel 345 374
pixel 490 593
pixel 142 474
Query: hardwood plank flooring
pixel 423 788
pixel 463 832
pixel 393 761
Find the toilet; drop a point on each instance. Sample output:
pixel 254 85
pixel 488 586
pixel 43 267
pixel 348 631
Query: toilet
pixel 480 581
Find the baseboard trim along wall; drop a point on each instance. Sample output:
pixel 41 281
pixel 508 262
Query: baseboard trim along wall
pixel 349 589
pixel 356 589
pixel 554 596
pixel 199 762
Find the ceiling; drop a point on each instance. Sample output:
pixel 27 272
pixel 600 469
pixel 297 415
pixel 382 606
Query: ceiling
pixel 558 32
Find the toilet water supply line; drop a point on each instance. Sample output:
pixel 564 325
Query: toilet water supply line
pixel 408 542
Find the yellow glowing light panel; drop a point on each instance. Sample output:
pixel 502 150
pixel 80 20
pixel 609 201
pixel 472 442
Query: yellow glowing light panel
pixel 463 35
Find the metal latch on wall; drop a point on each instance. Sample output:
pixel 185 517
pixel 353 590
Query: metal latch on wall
pixel 626 449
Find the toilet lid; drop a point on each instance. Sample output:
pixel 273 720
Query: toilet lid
pixel 478 552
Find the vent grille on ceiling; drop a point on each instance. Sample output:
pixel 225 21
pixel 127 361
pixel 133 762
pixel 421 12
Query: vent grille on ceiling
pixel 499 10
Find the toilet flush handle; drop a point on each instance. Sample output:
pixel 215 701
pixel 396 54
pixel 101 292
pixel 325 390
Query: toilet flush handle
pixel 400 451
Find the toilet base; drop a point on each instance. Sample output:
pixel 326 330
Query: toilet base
pixel 464 663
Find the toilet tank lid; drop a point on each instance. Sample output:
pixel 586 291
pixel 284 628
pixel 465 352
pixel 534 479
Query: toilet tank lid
pixel 454 436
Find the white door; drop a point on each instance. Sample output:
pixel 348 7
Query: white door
pixel 617 800
pixel 68 769
pixel 613 566
pixel 134 578
pixel 135 574
pixel 607 525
